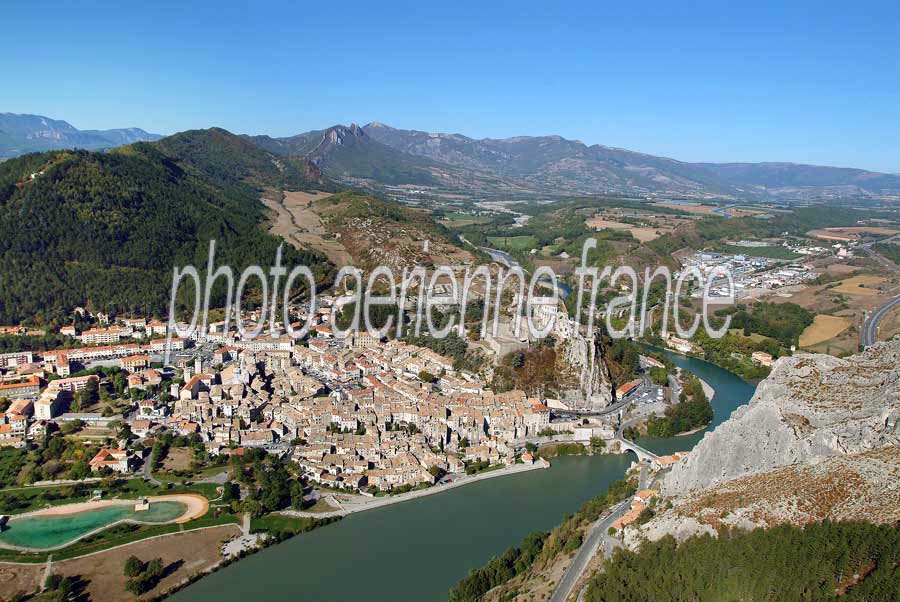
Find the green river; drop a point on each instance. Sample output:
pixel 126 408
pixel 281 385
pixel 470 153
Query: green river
pixel 416 551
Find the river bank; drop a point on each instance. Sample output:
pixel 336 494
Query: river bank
pixel 753 381
pixel 691 432
pixel 418 550
pixel 639 417
pixel 730 391
pixel 361 503
pixel 707 389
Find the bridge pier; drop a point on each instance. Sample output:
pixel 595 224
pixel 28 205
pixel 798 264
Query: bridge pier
pixel 639 451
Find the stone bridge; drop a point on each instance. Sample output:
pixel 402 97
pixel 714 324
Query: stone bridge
pixel 640 452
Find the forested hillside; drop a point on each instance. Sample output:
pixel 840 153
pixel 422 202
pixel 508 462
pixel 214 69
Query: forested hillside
pixel 230 160
pixel 828 561
pixel 105 230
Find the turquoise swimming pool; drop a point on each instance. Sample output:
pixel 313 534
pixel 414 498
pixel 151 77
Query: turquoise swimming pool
pixel 44 532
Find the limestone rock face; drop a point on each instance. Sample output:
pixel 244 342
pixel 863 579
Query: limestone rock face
pixel 679 527
pixel 585 355
pixel 811 407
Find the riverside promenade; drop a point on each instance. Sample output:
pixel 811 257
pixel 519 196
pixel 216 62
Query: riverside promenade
pixel 359 503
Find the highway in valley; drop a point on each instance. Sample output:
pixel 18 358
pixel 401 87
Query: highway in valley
pixel 869 333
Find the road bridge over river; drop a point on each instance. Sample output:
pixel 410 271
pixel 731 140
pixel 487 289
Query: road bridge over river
pixel 640 452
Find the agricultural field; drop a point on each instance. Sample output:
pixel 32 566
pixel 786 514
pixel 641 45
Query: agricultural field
pixel 458 220
pixel 295 220
pixel 860 285
pixel 514 243
pixel 742 212
pixel 641 234
pixel 846 343
pixel 840 304
pixel 851 233
pixel 825 299
pixel 698 209
pixel 824 328
pixel 754 336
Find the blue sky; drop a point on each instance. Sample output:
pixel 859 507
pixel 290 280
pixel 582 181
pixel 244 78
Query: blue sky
pixel 814 82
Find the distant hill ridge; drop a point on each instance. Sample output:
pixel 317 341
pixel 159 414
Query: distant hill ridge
pixel 20 134
pixel 348 153
pixel 553 162
pixel 377 156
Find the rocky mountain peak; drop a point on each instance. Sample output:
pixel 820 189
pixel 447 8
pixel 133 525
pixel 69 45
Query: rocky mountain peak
pixel 339 134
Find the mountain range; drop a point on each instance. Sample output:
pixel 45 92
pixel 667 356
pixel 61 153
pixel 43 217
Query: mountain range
pixel 104 229
pixel 450 166
pixel 20 134
pixel 379 155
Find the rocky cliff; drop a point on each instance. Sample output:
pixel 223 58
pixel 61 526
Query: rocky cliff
pixel 810 409
pixel 584 355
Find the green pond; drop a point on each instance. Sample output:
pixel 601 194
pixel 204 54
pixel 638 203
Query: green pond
pixel 43 532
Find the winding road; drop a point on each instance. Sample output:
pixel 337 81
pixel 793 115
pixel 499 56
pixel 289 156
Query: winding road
pixel 869 333
pixel 597 535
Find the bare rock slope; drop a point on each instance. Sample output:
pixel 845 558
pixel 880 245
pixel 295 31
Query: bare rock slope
pixel 810 409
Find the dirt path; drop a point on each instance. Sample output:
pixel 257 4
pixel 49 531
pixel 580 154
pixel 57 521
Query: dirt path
pixel 48 570
pixel 294 220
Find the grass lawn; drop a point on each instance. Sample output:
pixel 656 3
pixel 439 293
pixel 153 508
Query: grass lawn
pixel 754 336
pixel 321 506
pixel 25 499
pixel 767 252
pixel 140 487
pixel 514 243
pixel 280 523
pixel 490 468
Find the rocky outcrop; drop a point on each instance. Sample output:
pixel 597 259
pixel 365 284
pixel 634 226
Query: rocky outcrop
pixel 585 355
pixel 811 408
pixel 840 488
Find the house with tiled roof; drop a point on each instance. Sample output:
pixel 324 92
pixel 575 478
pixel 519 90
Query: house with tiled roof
pixel 118 460
pixel 134 363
